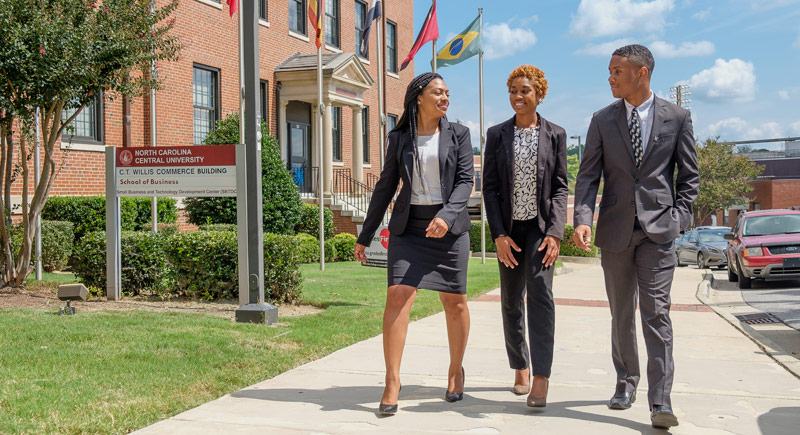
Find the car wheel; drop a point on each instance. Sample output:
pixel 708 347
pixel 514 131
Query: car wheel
pixel 701 261
pixel 732 276
pixel 744 282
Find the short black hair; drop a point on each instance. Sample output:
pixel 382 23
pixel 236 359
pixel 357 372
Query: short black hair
pixel 637 55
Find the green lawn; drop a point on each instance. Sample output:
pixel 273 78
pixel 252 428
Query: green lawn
pixel 118 371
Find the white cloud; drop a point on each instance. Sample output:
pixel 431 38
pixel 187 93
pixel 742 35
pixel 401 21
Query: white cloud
pixel 665 50
pixel 598 18
pixel 739 129
pixel 733 80
pixel 605 49
pixel 500 40
pixel 796 127
pixel 702 15
pixel 784 94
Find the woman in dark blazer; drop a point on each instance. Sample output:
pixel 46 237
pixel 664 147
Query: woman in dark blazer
pixel 429 240
pixel 525 192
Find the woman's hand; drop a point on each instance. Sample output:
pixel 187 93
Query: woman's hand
pixel 553 246
pixel 504 245
pixel 358 251
pixel 437 228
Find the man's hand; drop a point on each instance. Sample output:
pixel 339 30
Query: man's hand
pixel 504 245
pixel 358 251
pixel 582 237
pixel 552 246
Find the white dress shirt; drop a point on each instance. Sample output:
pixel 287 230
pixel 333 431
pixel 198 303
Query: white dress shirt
pixel 428 147
pixel 646 115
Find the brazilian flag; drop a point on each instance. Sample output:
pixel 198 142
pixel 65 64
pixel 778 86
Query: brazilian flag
pixel 465 45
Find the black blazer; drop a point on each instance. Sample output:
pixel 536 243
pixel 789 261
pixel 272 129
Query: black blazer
pixel 551 179
pixel 456 172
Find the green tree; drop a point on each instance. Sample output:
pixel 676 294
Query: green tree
pixel 57 55
pixel 281 199
pixel 724 178
pixel 572 171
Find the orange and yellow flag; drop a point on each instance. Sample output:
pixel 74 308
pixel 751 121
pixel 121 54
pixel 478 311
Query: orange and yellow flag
pixel 315 16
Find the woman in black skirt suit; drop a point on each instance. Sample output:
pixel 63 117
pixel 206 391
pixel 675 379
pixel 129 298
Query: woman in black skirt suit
pixel 525 192
pixel 429 240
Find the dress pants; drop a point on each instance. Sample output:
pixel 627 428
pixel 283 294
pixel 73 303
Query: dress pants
pixel 531 277
pixel 643 270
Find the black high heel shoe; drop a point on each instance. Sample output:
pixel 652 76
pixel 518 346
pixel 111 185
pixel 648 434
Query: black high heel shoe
pixel 389 409
pixel 455 397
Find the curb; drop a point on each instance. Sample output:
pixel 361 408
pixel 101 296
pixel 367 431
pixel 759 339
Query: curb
pixel 769 347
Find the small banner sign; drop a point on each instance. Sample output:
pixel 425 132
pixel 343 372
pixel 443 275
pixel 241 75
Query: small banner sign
pixel 378 251
pixel 176 171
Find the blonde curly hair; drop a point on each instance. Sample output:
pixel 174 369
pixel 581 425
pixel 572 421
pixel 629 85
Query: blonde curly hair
pixel 532 73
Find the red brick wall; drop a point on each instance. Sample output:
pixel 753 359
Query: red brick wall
pixel 209 37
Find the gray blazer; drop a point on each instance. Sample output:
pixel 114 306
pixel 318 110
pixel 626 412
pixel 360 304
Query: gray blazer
pixel 551 183
pixel 456 173
pixel 664 207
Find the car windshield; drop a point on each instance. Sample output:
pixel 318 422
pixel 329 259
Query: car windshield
pixel 712 235
pixel 769 225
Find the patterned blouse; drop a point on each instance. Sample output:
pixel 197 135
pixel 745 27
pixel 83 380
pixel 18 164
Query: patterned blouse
pixel 526 149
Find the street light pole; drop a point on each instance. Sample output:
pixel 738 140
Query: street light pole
pixel 580 147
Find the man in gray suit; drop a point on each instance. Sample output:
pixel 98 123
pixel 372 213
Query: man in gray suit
pixel 643 148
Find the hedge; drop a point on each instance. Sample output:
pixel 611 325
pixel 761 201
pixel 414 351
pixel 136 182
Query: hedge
pixel 344 244
pixel 307 247
pixel 218 227
pixel 567 247
pixel 57 244
pixel 475 238
pixel 280 197
pixel 200 264
pixel 88 213
pixel 309 221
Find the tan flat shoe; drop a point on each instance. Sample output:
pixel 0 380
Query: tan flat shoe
pixel 539 401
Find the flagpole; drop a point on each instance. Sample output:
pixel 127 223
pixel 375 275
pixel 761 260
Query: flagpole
pixel 433 63
pixel 320 112
pixel 482 137
pixel 381 115
pixel 241 77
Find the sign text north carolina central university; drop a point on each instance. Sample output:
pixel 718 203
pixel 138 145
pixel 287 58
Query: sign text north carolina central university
pixel 176 171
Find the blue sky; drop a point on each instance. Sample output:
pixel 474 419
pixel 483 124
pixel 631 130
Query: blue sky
pixel 740 57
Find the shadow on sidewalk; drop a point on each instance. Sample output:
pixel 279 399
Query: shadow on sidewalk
pixel 366 399
pixel 780 420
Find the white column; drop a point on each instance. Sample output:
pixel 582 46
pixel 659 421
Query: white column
pixel 327 149
pixel 358 144
pixel 283 130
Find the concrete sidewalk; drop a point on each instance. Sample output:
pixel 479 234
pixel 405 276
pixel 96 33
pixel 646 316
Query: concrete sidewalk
pixel 724 383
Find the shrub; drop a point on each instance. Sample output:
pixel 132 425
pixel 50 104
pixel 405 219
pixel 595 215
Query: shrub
pixel 88 213
pixel 144 262
pixel 280 197
pixel 282 277
pixel 569 249
pixel 309 221
pixel 475 238
pixel 344 244
pixel 307 247
pixel 57 244
pixel 205 263
pixel 218 227
pixel 164 228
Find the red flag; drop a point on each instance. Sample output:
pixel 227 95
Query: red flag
pixel 315 16
pixel 233 4
pixel 429 32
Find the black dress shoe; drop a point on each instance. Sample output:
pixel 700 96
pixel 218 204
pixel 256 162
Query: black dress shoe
pixel 622 400
pixel 455 397
pixel 662 417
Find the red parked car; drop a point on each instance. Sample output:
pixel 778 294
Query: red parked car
pixel 765 244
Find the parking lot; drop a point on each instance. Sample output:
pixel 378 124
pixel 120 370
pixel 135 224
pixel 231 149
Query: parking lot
pixel 780 298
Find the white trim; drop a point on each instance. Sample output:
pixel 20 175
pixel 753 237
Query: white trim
pixel 263 23
pixel 83 147
pixel 212 3
pixel 367 166
pixel 299 36
pixel 333 49
pixel 363 60
pixel 391 74
pixel 335 163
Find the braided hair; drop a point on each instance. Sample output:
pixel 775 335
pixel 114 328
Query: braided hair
pixel 409 117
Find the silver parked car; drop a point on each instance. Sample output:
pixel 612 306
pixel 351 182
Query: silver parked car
pixel 703 246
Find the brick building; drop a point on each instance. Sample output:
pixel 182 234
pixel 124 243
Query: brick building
pixel 202 87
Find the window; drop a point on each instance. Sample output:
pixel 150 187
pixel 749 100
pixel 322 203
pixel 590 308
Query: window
pixel 206 101
pixel 361 23
pixel 264 100
pixel 262 9
pixel 391 47
pixel 365 132
pixel 332 23
pixel 391 122
pixel 336 126
pixel 297 16
pixel 477 181
pixel 88 125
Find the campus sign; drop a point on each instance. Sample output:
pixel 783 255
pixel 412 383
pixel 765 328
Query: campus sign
pixel 176 171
